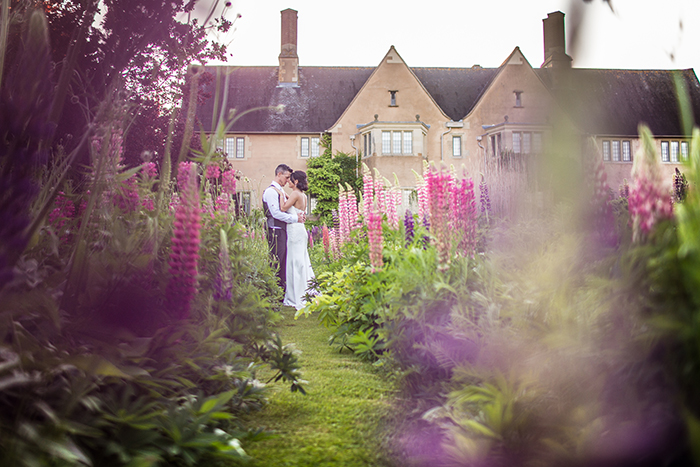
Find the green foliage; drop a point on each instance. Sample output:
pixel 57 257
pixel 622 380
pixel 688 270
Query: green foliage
pixel 325 173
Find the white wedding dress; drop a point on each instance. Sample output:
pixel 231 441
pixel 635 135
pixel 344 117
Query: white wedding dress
pixel 299 271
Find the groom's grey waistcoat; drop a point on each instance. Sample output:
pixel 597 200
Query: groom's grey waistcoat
pixel 272 223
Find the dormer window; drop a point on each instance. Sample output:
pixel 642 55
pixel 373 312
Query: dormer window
pixel 392 102
pixel 518 98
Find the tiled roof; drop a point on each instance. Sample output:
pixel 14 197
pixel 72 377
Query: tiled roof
pixel 312 107
pixel 456 90
pixel 614 102
pixel 603 102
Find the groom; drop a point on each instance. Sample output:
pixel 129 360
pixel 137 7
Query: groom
pixel 277 221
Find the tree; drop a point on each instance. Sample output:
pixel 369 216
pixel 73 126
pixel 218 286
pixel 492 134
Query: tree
pixel 138 49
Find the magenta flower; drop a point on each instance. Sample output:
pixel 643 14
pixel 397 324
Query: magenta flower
pixel 374 233
pixel 379 191
pixel 183 173
pixel 343 215
pixel 61 214
pixel 127 197
pixel 367 193
pixel 353 215
pixel 185 246
pixel 649 200
pixel 228 182
pixel 213 171
pixel 409 227
pixel 464 215
pixel 150 170
pixel 439 197
pixel 326 239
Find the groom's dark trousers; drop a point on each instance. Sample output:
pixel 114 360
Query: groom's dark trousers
pixel 277 240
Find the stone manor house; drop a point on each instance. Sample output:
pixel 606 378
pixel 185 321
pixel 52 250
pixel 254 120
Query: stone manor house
pixel 393 116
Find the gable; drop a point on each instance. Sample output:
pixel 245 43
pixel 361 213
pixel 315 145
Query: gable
pixel 391 77
pixel 514 78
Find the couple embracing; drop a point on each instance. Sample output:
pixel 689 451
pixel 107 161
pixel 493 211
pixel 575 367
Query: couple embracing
pixel 286 233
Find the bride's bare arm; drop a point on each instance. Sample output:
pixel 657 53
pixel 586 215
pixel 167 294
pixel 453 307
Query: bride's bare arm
pixel 290 201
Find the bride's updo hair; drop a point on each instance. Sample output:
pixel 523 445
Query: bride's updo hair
pixel 300 177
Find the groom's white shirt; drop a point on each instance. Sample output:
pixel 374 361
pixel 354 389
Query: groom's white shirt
pixel 272 198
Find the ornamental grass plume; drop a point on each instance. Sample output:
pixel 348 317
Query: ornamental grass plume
pixel 223 286
pixel 484 199
pixel 367 193
pixel 649 200
pixel 374 234
pixel 185 245
pixel 603 216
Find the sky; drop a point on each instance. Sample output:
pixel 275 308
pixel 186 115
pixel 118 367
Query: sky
pixel 634 34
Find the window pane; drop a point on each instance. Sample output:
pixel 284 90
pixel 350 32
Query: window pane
pixel 408 142
pixel 305 147
pixel 386 142
pixel 240 148
pixel 456 146
pixel 516 143
pixel 664 151
pixel 626 151
pixel 526 143
pixel 606 150
pixel 397 142
pixel 315 147
pixel 674 151
pixel 616 151
pixel 229 148
pixel 684 150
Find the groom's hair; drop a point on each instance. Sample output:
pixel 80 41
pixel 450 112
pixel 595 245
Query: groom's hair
pixel 283 168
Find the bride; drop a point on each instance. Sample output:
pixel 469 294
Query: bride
pixel 299 271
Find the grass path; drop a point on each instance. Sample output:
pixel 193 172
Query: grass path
pixel 338 422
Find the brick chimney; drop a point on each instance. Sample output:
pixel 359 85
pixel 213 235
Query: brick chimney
pixel 555 42
pixel 289 60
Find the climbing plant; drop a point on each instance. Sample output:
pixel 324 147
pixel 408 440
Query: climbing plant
pixel 325 173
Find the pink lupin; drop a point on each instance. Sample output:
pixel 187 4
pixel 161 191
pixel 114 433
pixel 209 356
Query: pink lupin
pixel 185 245
pixel 367 193
pixel 374 233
